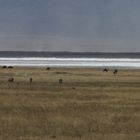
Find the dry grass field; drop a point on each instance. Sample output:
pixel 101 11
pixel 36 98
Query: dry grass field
pixel 88 105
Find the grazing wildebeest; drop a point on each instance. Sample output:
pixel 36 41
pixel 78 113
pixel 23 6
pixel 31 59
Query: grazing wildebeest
pixel 105 70
pixel 115 71
pixel 48 68
pixel 31 80
pixel 4 67
pixel 60 81
pixel 11 80
pixel 10 67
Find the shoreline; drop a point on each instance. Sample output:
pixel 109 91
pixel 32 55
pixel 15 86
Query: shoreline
pixel 72 67
pixel 112 63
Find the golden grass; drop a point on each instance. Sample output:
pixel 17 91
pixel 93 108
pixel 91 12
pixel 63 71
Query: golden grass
pixel 89 105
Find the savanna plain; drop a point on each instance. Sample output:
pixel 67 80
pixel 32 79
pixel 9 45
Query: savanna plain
pixel 89 104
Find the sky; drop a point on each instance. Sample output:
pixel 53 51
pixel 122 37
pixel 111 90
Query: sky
pixel 70 25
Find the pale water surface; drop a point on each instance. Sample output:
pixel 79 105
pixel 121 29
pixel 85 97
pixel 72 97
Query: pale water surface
pixel 71 62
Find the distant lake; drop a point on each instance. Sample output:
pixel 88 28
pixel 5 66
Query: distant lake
pixel 72 62
pixel 69 59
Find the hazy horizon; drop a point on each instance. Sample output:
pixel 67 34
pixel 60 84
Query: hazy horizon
pixel 71 26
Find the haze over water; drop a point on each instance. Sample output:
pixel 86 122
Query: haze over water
pixel 69 59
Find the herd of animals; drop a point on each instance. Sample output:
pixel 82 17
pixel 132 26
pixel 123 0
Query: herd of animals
pixel 114 72
pixel 48 68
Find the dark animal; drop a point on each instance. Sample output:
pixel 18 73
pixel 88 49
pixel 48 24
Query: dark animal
pixel 60 81
pixel 10 67
pixel 31 80
pixel 4 67
pixel 11 80
pixel 105 70
pixel 48 68
pixel 115 71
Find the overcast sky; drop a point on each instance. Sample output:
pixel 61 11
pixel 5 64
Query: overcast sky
pixel 70 25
